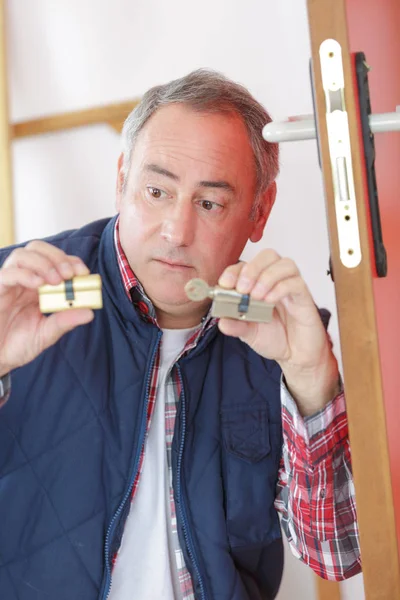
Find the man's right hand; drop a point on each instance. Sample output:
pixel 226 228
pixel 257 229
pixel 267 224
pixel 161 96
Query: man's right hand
pixel 24 331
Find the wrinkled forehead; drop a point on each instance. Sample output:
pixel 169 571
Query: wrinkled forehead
pixel 208 142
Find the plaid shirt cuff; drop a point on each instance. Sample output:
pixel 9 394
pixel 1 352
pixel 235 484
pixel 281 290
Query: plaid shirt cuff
pixel 317 437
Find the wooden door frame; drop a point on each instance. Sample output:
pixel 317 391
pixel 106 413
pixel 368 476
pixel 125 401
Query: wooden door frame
pixel 358 332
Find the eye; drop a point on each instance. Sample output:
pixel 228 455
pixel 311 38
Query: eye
pixel 155 192
pixel 209 206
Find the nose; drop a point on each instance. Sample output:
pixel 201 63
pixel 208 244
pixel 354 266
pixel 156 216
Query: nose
pixel 178 225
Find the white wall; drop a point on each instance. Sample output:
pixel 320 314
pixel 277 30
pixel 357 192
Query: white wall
pixel 73 54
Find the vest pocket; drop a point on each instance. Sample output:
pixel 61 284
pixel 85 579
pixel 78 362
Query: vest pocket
pixel 250 460
pixel 245 431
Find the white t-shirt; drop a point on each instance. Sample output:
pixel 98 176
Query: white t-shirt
pixel 146 565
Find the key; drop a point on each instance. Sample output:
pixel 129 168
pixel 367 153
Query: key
pixel 230 303
pixel 197 290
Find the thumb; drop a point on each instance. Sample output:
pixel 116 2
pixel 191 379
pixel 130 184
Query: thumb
pixel 241 329
pixel 58 324
pixel 230 276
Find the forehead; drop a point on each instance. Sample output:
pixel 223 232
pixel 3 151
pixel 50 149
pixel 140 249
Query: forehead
pixel 179 137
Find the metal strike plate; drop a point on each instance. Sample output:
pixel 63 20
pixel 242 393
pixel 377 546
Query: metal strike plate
pixel 340 153
pixel 230 303
pixel 83 291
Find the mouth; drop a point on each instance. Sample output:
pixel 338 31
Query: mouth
pixel 173 265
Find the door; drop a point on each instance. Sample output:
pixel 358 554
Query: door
pixel 368 306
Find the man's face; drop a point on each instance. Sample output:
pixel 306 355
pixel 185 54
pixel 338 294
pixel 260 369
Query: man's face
pixel 185 211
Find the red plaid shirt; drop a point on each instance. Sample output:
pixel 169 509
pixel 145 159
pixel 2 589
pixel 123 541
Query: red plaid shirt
pixel 315 492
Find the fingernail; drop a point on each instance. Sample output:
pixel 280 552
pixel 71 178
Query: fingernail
pixel 243 285
pixel 227 279
pixel 270 298
pixel 81 269
pixel 66 270
pixel 54 275
pixel 258 290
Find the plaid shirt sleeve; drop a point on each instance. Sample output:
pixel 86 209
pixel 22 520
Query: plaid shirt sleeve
pixel 315 491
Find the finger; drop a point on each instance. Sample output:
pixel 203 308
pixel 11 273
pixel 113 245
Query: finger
pixel 229 277
pixel 236 328
pixel 294 287
pixel 252 270
pixel 58 324
pixel 13 276
pixel 272 275
pixel 35 262
pixel 67 266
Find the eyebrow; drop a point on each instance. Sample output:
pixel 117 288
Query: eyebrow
pixel 156 169
pixel 222 185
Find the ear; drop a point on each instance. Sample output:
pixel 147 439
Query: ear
pixel 120 182
pixel 263 212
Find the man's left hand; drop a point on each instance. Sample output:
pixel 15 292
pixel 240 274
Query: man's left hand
pixel 295 338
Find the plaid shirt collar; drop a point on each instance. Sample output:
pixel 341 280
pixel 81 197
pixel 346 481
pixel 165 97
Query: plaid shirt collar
pixel 141 301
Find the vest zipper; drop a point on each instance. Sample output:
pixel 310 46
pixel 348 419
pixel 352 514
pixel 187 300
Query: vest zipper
pixel 181 502
pixel 107 587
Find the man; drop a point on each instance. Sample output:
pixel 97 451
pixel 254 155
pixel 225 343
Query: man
pixel 143 454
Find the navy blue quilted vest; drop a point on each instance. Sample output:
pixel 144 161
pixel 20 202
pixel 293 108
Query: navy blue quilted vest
pixel 70 439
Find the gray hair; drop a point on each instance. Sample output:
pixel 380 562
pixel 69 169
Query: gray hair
pixel 208 91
